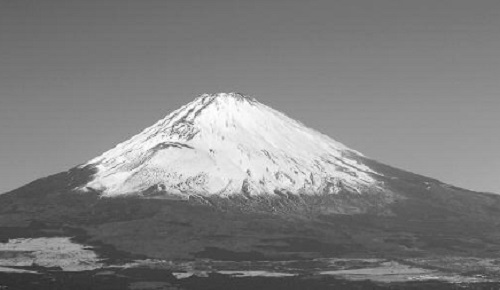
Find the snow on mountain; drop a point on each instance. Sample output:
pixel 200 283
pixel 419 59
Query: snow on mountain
pixel 227 144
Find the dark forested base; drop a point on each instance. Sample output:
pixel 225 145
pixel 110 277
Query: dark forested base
pixel 151 279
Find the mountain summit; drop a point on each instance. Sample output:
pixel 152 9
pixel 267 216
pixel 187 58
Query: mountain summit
pixel 225 144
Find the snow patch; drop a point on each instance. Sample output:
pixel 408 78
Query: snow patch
pixel 48 252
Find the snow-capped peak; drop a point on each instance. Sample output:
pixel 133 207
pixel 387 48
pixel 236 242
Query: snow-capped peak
pixel 226 144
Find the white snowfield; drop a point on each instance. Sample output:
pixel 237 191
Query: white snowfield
pixel 225 144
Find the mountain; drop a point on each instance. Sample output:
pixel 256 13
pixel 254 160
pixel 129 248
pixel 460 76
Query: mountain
pixel 226 177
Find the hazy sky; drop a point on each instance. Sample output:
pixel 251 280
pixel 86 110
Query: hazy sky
pixel 414 84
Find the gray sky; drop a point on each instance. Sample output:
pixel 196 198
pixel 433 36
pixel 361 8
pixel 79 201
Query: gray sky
pixel 414 84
